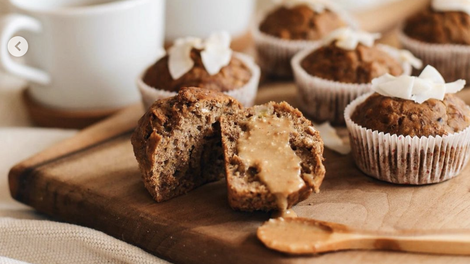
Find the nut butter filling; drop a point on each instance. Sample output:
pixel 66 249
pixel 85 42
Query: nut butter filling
pixel 265 147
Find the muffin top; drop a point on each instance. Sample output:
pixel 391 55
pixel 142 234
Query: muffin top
pixel 230 77
pixel 193 62
pixel 300 22
pixel 439 27
pixel 360 65
pixel 414 106
pixel 405 117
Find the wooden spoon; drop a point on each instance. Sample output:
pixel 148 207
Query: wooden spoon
pixel 309 236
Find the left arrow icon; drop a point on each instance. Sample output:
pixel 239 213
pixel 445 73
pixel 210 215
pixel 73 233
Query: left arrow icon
pixel 18 46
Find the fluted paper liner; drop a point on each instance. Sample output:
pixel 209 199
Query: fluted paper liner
pixel 245 94
pixel 325 100
pixel 404 159
pixel 451 60
pixel 274 54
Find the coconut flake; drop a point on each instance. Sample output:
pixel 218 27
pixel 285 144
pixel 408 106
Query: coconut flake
pixel 432 74
pixel 331 139
pixel 215 54
pixel 387 84
pixel 428 85
pixel 451 5
pixel 348 38
pixel 408 57
pixel 180 61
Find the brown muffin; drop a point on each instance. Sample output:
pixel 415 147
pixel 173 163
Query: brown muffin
pixel 439 27
pixel 350 66
pixel 246 190
pixel 300 23
pixel 405 117
pixel 230 77
pixel 177 142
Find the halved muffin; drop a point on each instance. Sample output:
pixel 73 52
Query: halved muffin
pixel 273 157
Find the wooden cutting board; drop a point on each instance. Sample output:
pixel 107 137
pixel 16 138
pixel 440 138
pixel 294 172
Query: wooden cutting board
pixel 93 180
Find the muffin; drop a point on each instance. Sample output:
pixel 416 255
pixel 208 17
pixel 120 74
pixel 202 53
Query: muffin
pixel 177 142
pixel 440 36
pixel 273 157
pixel 300 22
pixel 208 64
pixel 292 26
pixel 231 77
pixel 330 76
pixel 357 66
pixel 405 117
pixel 410 130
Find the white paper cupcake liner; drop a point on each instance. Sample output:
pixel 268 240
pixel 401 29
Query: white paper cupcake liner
pixel 245 95
pixel 274 54
pixel 324 100
pixel 404 159
pixel 452 61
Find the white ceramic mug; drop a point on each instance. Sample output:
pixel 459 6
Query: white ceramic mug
pixel 83 54
pixel 199 18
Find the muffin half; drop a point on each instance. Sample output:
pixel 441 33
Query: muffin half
pixel 177 142
pixel 273 157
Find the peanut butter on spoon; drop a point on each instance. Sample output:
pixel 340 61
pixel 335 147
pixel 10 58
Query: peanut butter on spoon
pixel 309 236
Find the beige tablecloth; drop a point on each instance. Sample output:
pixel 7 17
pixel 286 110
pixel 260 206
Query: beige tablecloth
pixel 26 236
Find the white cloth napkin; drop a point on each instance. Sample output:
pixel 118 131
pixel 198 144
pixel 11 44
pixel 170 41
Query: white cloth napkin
pixel 26 236
pixel 39 241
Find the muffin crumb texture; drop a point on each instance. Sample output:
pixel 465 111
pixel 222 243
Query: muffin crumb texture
pixel 439 27
pixel 350 66
pixel 405 117
pixel 177 141
pixel 233 76
pixel 300 23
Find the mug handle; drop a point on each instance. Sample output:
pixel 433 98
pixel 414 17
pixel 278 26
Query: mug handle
pixel 9 26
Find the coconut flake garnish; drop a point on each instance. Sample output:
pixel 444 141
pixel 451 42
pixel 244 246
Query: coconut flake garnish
pixel 348 38
pixel 429 85
pixel 215 54
pixel 331 139
pixel 318 6
pixel 408 57
pixel 451 5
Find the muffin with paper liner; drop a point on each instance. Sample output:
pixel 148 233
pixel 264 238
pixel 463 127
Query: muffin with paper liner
pixel 410 130
pixel 330 76
pixel 208 64
pixel 290 26
pixel 440 36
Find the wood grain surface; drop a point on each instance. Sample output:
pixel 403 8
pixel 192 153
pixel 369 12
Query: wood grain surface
pixel 93 180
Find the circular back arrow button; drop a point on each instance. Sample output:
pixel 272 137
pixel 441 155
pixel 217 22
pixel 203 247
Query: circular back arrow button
pixel 18 46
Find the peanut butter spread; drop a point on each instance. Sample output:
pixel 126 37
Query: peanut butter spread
pixel 294 235
pixel 265 147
